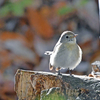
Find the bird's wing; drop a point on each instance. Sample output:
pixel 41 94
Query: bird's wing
pixel 57 46
pixel 50 67
pixel 48 53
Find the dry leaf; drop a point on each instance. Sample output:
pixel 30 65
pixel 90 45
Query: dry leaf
pixel 39 23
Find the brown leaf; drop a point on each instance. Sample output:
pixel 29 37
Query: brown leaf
pixel 39 23
pixel 11 35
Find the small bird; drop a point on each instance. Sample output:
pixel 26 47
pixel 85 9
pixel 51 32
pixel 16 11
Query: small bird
pixel 66 53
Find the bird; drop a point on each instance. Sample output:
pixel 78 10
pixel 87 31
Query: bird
pixel 66 54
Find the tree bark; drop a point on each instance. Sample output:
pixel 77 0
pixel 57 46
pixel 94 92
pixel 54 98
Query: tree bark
pixel 35 85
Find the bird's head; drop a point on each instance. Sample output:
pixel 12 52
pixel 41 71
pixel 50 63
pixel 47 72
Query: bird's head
pixel 68 37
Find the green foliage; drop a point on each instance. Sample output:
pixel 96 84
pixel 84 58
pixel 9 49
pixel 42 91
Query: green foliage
pixel 65 10
pixel 83 2
pixel 54 95
pixel 16 8
pixel 68 9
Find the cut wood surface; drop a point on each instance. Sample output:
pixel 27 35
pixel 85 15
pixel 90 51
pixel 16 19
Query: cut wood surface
pixel 36 85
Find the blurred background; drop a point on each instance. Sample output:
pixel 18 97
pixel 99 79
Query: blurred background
pixel 30 27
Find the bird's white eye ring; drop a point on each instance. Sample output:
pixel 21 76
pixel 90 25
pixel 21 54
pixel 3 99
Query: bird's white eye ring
pixel 66 36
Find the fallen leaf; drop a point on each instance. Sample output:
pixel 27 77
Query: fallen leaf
pixel 39 23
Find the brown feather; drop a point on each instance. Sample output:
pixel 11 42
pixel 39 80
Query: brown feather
pixel 58 68
pixel 50 67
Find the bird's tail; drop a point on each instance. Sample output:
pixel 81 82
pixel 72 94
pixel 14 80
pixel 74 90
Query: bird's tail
pixel 48 53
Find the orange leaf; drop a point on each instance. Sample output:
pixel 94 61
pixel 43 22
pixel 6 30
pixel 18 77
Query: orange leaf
pixel 39 23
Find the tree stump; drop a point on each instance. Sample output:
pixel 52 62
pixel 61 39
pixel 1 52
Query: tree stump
pixel 36 85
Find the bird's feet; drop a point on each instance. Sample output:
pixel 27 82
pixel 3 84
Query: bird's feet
pixel 70 73
pixel 58 70
pixel 59 73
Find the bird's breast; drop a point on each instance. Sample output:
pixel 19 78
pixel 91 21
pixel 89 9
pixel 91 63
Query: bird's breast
pixel 65 56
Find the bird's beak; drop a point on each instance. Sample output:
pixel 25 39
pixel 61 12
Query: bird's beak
pixel 75 35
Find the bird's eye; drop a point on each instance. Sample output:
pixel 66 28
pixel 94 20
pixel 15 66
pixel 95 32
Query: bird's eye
pixel 66 36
